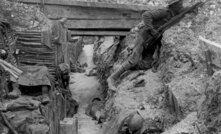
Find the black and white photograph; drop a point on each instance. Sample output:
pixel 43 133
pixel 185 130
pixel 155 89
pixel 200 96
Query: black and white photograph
pixel 110 66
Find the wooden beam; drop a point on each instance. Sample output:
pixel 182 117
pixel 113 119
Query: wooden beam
pixel 101 24
pixel 91 15
pixel 93 33
pixel 87 4
pixel 87 13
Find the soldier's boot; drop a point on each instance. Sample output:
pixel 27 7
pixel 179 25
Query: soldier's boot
pixel 112 79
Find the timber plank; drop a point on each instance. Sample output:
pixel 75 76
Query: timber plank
pixel 34 49
pixel 34 62
pixel 79 13
pixel 37 53
pixel 37 62
pixel 29 43
pixel 22 45
pixel 33 44
pixel 31 51
pixel 29 33
pixel 87 4
pixel 92 33
pixel 101 24
pixel 28 36
pixel 37 57
pixel 29 39
pixel 50 67
pixel 40 54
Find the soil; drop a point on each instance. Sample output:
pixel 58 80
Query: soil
pixel 84 88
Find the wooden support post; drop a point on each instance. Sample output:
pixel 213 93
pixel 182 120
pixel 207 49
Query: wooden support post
pixel 69 126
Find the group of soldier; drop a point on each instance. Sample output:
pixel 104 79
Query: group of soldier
pixel 153 19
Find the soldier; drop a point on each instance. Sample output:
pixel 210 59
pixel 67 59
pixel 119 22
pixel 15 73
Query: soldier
pixel 96 111
pixel 65 77
pixel 153 19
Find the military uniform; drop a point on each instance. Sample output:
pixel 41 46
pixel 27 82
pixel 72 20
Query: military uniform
pixel 153 19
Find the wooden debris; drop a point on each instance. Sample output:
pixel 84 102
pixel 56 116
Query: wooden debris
pixel 15 72
pixel 8 123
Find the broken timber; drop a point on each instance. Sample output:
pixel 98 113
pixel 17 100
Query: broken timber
pixel 92 18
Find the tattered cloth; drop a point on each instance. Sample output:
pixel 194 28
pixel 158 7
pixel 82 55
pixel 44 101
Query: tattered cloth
pixel 34 76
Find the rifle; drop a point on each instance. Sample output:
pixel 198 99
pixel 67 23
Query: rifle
pixel 173 21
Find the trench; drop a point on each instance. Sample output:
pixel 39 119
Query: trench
pixel 84 88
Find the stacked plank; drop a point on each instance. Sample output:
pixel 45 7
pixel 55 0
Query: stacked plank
pixel 32 51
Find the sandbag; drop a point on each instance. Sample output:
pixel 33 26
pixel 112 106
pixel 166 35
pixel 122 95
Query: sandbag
pixel 23 103
pixel 22 119
pixel 34 76
pixel 37 129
